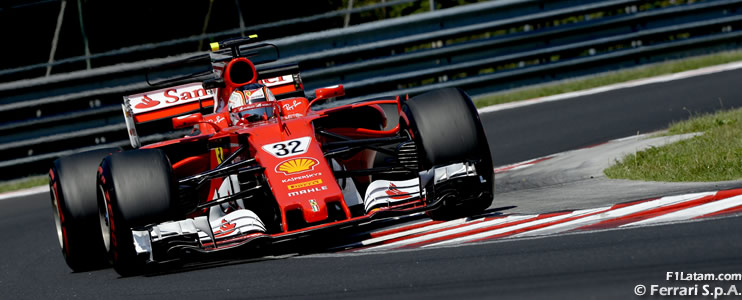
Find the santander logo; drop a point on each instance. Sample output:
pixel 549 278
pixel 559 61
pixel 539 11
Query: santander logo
pixel 168 97
pixel 147 102
pixel 225 229
pixel 395 193
pixel 278 80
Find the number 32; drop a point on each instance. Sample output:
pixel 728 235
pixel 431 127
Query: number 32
pixel 288 148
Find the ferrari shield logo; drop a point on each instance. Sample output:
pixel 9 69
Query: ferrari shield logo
pixel 219 154
pixel 297 165
pixel 313 203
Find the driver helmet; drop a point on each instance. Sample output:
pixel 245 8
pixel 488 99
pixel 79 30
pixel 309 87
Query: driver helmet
pixel 248 96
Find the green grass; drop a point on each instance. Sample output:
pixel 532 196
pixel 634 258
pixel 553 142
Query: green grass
pixel 23 183
pixel 593 81
pixel 714 156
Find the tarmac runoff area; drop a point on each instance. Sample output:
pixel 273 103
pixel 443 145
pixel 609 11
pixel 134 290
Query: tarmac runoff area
pixel 575 179
pixel 565 193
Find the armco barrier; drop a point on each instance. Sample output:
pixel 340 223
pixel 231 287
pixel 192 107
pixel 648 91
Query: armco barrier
pixel 481 47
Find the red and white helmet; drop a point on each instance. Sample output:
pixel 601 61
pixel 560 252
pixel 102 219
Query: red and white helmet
pixel 249 94
pixel 245 103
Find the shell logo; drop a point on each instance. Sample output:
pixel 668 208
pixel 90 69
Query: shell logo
pixel 297 165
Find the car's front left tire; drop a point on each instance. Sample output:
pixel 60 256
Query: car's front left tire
pixel 135 188
pixel 72 187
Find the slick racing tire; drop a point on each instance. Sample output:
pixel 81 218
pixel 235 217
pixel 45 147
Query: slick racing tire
pixel 447 129
pixel 136 188
pixel 73 195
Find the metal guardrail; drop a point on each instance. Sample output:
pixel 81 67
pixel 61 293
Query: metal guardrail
pixel 480 47
pixel 201 37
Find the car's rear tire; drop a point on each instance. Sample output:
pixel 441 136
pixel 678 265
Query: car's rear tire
pixel 73 195
pixel 447 129
pixel 136 188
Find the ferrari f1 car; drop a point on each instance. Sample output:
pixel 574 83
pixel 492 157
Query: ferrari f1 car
pixel 264 164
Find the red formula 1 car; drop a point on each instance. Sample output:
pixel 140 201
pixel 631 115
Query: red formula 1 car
pixel 267 166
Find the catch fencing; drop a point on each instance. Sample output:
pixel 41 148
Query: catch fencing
pixel 483 47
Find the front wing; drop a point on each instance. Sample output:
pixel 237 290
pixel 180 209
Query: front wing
pixel 242 229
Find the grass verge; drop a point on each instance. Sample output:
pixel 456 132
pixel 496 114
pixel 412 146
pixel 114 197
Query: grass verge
pixel 23 183
pixel 593 81
pixel 714 156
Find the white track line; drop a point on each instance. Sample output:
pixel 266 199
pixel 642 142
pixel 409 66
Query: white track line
pixel 629 84
pixel 523 164
pixel 26 192
pixel 692 212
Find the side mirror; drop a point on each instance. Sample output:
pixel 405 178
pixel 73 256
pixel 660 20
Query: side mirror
pixel 326 93
pixel 187 120
pixel 329 92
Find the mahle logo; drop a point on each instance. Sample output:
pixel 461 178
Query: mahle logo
pixel 297 165
pixel 308 191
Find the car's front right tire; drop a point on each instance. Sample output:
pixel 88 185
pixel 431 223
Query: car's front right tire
pixel 446 128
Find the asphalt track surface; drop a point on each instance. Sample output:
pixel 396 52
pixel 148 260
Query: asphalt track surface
pixel 602 264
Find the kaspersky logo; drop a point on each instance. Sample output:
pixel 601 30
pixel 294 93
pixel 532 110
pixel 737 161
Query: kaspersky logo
pixel 297 165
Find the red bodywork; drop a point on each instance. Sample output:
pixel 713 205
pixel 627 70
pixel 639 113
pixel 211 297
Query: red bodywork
pixel 299 180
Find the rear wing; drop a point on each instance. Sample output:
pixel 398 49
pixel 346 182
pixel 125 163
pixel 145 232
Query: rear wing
pixel 168 102
pixel 283 81
pixel 153 110
pixel 160 106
